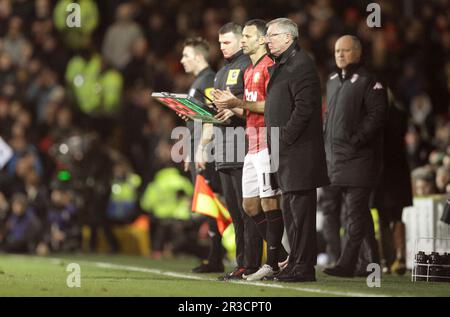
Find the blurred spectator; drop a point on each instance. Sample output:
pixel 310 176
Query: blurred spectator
pixel 94 187
pixel 123 202
pixel 423 181
pixel 25 157
pixel 15 44
pixel 239 15
pixel 23 228
pixel 446 160
pixel 422 116
pixel 120 36
pixel 76 37
pixel 167 200
pixel 63 232
pixel 41 91
pixel 4 213
pixel 417 149
pixel 27 180
pixel 138 70
pixel 442 137
pixel 443 179
pixel 5 14
pixel 160 34
pixel 97 88
pixel 64 124
pixel 7 74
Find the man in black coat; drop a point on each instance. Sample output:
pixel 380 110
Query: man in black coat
pixel 356 108
pixel 293 106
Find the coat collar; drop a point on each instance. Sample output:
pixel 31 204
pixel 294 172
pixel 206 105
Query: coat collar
pixel 280 60
pixel 234 57
pixel 204 71
pixel 291 51
pixel 351 69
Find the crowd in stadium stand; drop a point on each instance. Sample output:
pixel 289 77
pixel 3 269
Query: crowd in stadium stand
pixel 75 103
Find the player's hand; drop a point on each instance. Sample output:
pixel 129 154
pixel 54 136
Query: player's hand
pixel 224 114
pixel 224 99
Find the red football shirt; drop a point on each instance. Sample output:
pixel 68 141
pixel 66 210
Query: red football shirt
pixel 256 78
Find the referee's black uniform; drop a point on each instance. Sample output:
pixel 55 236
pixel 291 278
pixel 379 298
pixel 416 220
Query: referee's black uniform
pixel 200 90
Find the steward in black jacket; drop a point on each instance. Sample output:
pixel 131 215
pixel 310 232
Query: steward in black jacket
pixel 231 76
pixel 356 109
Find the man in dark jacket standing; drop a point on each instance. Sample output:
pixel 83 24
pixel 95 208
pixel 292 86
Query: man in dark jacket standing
pixel 231 77
pixel 356 108
pixel 293 105
pixel 195 61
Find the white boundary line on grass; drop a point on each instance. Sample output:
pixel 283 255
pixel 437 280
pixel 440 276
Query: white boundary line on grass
pixel 195 277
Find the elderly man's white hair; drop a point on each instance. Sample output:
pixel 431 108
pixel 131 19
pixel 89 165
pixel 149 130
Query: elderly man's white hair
pixel 286 25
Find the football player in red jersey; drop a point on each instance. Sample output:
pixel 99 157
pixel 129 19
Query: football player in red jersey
pixel 260 196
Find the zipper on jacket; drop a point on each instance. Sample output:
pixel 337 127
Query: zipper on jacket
pixel 336 95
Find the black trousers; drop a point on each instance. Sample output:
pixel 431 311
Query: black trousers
pixel 216 251
pixel 299 215
pixel 331 206
pixel 248 240
pixel 210 175
pixel 358 223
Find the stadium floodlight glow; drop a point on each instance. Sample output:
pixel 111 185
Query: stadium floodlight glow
pixel 63 148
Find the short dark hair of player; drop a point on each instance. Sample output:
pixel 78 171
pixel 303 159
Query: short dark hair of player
pixel 260 25
pixel 231 27
pixel 199 44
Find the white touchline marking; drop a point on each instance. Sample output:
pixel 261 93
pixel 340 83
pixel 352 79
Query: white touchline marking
pixel 194 277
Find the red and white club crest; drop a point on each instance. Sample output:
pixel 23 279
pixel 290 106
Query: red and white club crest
pixel 256 77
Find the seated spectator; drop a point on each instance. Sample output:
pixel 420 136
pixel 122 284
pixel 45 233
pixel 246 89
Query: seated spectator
pixel 15 42
pixel 423 181
pixel 4 212
pixel 446 161
pixel 417 148
pixel 436 158
pixel 22 227
pixel 62 231
pixel 443 179
pixel 442 135
pixel 25 153
pixel 63 125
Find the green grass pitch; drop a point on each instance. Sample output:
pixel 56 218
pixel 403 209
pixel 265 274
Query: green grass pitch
pixel 106 275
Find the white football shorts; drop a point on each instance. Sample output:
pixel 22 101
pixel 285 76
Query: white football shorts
pixel 256 178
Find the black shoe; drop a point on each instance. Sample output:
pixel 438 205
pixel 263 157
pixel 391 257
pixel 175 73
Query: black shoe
pixel 282 273
pixel 295 278
pixel 209 268
pixel 236 274
pixel 338 271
